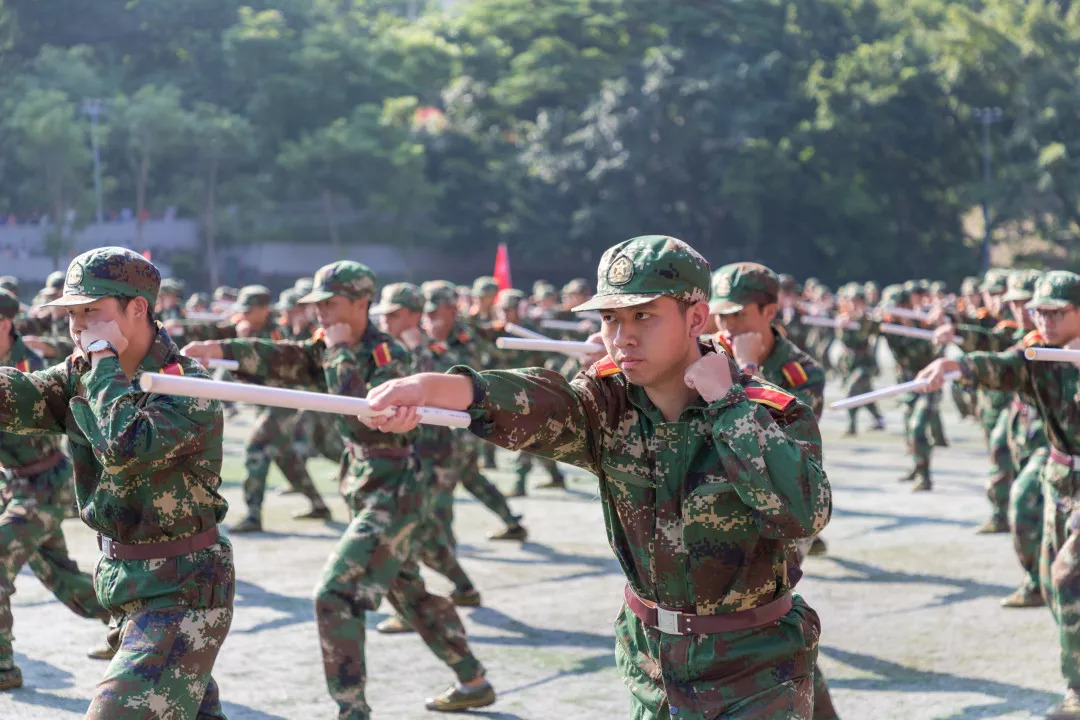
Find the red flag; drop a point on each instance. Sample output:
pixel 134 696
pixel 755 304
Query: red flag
pixel 502 267
pixel 146 254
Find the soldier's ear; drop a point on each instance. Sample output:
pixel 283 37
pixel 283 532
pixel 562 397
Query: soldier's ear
pixel 698 314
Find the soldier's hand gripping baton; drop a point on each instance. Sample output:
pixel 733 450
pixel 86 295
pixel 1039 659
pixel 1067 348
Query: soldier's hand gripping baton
pixel 283 398
pixel 866 398
pixel 566 347
pixel 1044 354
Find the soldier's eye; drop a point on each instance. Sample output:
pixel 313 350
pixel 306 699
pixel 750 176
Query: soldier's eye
pixel 608 317
pixel 643 316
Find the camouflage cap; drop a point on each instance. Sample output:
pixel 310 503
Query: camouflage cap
pixel 870 285
pixel 9 305
pixel 509 298
pixel 106 272
pixel 55 280
pixel 895 295
pixel 44 297
pixel 10 283
pixel 225 293
pixel 347 278
pixel 1021 285
pixel 788 283
pixel 438 293
pixel 539 284
pixel 172 286
pixel 645 268
pixel 545 291
pixel 994 282
pixel 938 287
pixel 577 285
pixel 1055 290
pixel 253 296
pixel 737 285
pixel 288 299
pixel 484 285
pixel 304 285
pixel 969 286
pixel 199 299
pixel 853 291
pixel 400 295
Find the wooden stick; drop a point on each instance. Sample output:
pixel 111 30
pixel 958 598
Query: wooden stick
pixel 280 397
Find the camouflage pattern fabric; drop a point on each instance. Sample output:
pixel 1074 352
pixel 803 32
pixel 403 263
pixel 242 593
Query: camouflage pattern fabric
pixel 644 268
pixel 858 364
pixel 921 412
pixel 31 512
pixel 384 491
pixel 121 437
pixel 700 514
pixel 1026 516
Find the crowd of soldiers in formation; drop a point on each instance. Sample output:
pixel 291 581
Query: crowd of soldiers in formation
pixel 712 487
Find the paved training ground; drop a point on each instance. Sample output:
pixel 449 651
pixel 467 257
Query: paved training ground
pixel 908 599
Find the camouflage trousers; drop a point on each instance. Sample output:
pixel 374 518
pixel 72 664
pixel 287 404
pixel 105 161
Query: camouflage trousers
pixel 919 413
pixel 437 546
pixel 173 616
pixel 464 463
pixel 30 533
pixel 1026 516
pixel 523 464
pixel 1002 471
pixel 314 434
pixel 375 556
pixel 272 441
pixel 964 399
pixel 857 382
pixel 766 673
pixel 1059 563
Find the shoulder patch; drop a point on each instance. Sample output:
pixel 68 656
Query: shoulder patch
pixel 606 367
pixel 982 313
pixel 723 344
pixel 438 348
pixel 318 334
pixel 770 396
pixel 1033 338
pixel 498 325
pixel 1006 325
pixel 23 365
pixel 794 374
pixel 173 369
pixel 275 334
pixel 464 337
pixel 382 355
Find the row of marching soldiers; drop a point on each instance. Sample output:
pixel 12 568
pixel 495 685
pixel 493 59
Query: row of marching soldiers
pixel 762 322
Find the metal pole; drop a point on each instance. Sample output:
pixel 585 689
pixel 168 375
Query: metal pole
pixel 93 109
pixel 987 116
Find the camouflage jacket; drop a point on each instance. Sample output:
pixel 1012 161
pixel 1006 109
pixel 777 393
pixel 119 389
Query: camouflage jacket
pixel 858 345
pixel 375 458
pixel 911 354
pixel 700 512
pixel 52 332
pixel 52 487
pixel 514 358
pixel 195 330
pixel 1053 388
pixel 791 368
pixel 463 346
pixel 987 334
pixel 147 466
pixel 790 319
pixel 432 441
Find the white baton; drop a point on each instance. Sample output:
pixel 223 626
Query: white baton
pixel 1044 354
pixel 566 347
pixel 866 398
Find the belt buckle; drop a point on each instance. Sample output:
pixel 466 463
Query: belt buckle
pixel 105 545
pixel 667 621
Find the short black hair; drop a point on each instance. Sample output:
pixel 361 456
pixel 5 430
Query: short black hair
pixel 123 300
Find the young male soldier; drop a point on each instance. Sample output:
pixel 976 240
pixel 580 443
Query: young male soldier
pixel 858 362
pixel 706 477
pixel 146 479
pixel 1054 387
pixel 168 307
pixel 400 310
pixel 382 487
pixel 457 345
pixel 482 311
pixel 35 495
pixel 745 303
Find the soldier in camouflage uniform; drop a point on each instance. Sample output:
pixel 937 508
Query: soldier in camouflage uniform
pixel 455 344
pixel 165 573
pixel 745 302
pixel 198 302
pixel 382 487
pixel 858 363
pixel 482 312
pixel 35 494
pixel 400 310
pixel 1054 388
pixel 707 476
pixel 169 299
pixel 790 314
pixel 989 332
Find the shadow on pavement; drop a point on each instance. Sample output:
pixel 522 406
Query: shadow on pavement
pixel 243 712
pixel 893 677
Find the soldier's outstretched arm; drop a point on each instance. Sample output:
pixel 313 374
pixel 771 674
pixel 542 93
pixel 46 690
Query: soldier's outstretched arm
pixel 34 402
pixel 1005 371
pixel 283 362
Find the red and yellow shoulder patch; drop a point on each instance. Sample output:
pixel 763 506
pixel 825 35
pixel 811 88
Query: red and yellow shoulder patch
pixel 438 348
pixel 1006 325
pixel 606 367
pixel 770 396
pixel 794 374
pixel 1033 338
pixel 723 343
pixel 382 355
pixel 498 325
pixel 982 313
pixel 23 365
pixel 173 369
pixel 464 337
pixel 318 334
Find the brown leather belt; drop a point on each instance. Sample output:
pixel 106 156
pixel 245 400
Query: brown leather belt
pixel 388 453
pixel 158 550
pixel 1061 458
pixel 675 622
pixel 35 468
